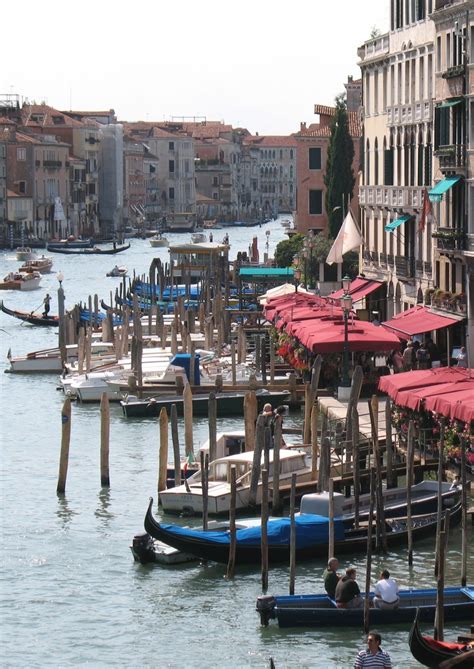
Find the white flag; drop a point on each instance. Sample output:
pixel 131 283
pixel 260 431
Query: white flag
pixel 58 210
pixel 348 238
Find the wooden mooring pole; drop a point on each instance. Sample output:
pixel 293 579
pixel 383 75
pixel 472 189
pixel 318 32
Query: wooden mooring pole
pixel 410 459
pixel 232 528
pixel 368 572
pixel 292 535
pixel 163 452
pixel 104 440
pixel 65 441
pixel 264 530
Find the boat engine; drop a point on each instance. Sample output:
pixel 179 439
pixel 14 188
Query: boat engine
pixel 266 608
pixel 143 548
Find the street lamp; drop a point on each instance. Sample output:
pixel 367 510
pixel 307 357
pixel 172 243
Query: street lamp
pixel 267 243
pixel 297 277
pixel 346 305
pixel 60 278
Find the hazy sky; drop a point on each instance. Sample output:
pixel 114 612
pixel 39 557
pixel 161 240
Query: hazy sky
pixel 260 64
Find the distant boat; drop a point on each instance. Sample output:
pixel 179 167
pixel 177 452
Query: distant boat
pixel 159 241
pixel 118 271
pixel 24 253
pixel 30 317
pixel 21 281
pixel 42 265
pixel 95 250
pixel 69 243
pixel 198 238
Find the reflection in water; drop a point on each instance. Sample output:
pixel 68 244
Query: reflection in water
pixel 102 512
pixel 64 512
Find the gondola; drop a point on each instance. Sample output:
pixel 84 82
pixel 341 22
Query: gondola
pixel 319 610
pixel 30 317
pixel 431 653
pixel 89 252
pixel 311 537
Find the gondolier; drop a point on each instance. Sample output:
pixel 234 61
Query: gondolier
pixel 47 305
pixel 374 657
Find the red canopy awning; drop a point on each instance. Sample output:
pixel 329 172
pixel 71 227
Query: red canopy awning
pixel 417 320
pixel 358 289
pixel 421 378
pixel 413 399
pixel 362 336
pixel 458 405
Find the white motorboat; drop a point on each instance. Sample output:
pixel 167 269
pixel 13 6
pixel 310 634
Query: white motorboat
pixel 43 265
pixel 198 237
pixel 24 253
pixel 48 361
pixel 118 270
pixel 159 241
pixel 188 497
pixel 21 281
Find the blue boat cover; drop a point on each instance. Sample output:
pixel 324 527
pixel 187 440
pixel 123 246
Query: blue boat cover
pixel 310 530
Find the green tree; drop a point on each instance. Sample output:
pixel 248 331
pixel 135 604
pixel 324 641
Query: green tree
pixel 285 250
pixel 339 176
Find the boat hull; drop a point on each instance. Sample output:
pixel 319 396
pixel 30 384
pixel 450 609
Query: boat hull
pixel 31 318
pixel 430 652
pixel 228 404
pixel 321 611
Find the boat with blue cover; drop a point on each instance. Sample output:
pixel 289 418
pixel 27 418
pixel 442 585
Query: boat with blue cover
pixel 312 534
pixel 320 610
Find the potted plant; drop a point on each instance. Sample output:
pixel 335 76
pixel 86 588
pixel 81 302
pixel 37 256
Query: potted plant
pixel 429 292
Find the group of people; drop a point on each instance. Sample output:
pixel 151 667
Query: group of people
pixel 346 592
pixel 416 355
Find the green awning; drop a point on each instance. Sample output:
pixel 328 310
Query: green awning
pixel 449 103
pixel 393 225
pixel 266 272
pixel 442 187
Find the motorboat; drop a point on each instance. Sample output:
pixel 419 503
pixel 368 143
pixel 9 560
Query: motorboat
pixel 24 253
pixel 199 237
pixel 48 361
pixel 159 241
pixel 118 271
pixel 188 497
pixel 43 265
pixel 21 281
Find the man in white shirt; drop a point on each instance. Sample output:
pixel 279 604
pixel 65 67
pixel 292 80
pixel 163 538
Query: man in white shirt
pixel 386 592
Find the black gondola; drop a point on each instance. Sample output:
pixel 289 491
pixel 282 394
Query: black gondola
pixel 431 653
pixel 310 542
pixel 30 317
pixel 88 252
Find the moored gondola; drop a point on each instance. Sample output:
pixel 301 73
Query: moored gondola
pixel 95 250
pixel 431 653
pixel 30 317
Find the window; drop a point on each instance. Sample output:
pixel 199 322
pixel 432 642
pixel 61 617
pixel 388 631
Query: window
pixel 22 186
pixel 21 153
pixel 316 202
pixel 291 153
pixel 388 167
pixel 171 166
pixel 215 181
pixel 215 195
pixel 314 159
pixel 171 193
pixel 171 146
pixel 438 53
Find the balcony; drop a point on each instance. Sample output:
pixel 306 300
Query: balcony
pixel 405 267
pixel 452 156
pixel 427 268
pixel 52 164
pixel 454 71
pixel 383 259
pixel 449 239
pixel 391 196
pixel 416 112
pixel 454 302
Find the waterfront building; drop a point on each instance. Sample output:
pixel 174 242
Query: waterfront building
pixel 268 185
pixel 139 188
pixel 453 231
pixel 312 143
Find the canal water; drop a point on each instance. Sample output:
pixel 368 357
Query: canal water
pixel 72 595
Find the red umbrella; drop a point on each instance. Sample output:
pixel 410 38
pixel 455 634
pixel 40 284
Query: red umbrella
pixel 459 405
pixel 422 378
pixel 414 398
pixel 362 336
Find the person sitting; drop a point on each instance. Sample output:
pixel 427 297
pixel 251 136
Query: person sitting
pixel 331 577
pixel 386 592
pixel 348 592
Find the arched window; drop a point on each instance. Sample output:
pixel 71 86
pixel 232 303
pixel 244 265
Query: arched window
pixel 399 158
pixel 420 158
pixel 412 158
pixel 428 164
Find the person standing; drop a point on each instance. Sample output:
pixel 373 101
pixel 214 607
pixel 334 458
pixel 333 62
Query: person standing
pixel 331 577
pixel 408 357
pixel 433 350
pixel 423 356
pixel 462 357
pixel 348 592
pixel 47 305
pixel 386 592
pixel 374 657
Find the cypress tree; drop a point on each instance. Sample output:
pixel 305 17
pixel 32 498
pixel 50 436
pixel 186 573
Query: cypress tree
pixel 339 177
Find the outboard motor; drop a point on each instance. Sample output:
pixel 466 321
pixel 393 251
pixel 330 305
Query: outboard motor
pixel 266 608
pixel 143 548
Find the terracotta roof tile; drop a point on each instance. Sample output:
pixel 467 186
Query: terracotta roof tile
pixel 322 130
pixel 274 141
pixel 51 117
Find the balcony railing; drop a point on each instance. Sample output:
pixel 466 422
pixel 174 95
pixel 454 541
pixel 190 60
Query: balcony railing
pixel 52 163
pixel 427 268
pixel 452 156
pixel 391 196
pixel 454 71
pixel 411 113
pixel 405 267
pixel 449 239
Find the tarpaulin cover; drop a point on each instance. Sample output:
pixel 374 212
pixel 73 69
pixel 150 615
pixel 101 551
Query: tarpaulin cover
pixel 417 320
pixel 310 529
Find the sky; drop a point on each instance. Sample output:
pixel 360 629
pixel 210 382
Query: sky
pixel 258 64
